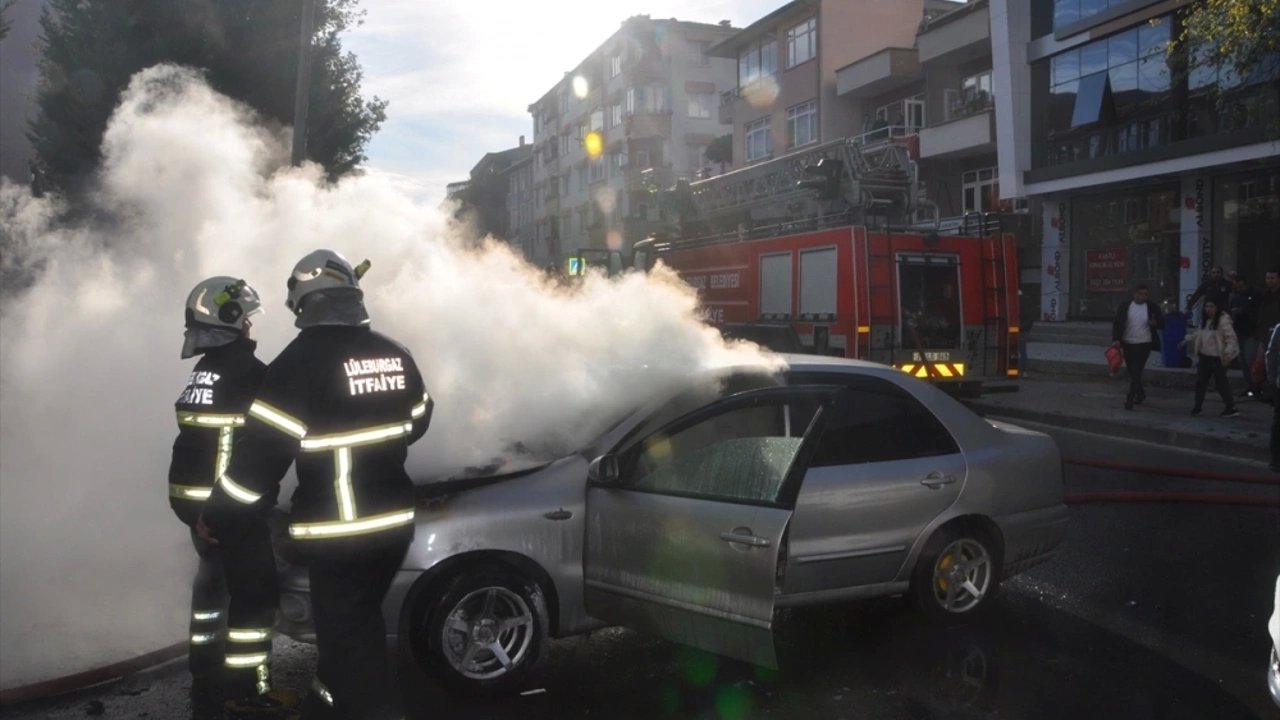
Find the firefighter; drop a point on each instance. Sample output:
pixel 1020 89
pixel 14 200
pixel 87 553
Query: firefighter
pixel 210 412
pixel 344 403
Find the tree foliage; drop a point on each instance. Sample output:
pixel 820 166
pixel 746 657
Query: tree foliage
pixel 1240 35
pixel 248 50
pixel 720 150
pixel 5 22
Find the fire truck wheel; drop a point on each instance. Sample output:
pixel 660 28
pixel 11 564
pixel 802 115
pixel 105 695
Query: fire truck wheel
pixel 484 631
pixel 956 577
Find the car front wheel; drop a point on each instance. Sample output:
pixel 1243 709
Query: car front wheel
pixel 956 575
pixel 485 631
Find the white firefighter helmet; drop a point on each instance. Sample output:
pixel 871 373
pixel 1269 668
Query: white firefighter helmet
pixel 321 270
pixel 222 302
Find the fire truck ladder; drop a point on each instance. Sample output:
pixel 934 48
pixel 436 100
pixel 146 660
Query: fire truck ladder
pixel 878 180
pixel 995 308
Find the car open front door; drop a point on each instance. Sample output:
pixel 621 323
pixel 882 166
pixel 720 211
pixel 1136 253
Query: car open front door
pixel 685 524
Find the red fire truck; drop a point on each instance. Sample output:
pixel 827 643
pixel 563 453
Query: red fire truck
pixel 941 305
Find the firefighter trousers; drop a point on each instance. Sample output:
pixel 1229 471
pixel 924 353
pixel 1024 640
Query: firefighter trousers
pixel 354 678
pixel 250 569
pixel 208 612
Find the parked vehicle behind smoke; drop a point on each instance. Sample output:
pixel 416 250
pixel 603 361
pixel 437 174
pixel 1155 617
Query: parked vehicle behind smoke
pixel 696 517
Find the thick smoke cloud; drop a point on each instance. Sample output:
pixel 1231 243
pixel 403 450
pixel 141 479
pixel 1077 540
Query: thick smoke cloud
pixel 93 566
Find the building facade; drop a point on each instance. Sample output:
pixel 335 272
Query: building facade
pixel 633 118
pixel 1150 166
pixel 787 92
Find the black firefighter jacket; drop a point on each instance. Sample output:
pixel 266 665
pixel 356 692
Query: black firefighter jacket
pixel 211 412
pixel 345 403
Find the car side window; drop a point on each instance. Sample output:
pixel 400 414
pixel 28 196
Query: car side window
pixel 741 454
pixel 880 422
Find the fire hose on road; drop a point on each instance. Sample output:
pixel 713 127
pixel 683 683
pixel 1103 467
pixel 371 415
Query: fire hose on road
pixel 1150 496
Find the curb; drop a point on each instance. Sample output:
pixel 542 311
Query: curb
pixel 1101 426
pixel 1155 376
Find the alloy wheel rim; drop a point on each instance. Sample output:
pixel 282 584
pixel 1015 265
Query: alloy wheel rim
pixel 487 633
pixel 961 576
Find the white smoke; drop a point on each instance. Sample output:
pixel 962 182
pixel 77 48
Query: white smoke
pixel 94 568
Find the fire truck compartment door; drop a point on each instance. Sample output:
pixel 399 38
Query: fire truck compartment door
pixel 929 302
pixel 684 542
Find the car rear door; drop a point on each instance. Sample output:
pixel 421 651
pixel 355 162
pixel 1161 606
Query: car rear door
pixel 683 541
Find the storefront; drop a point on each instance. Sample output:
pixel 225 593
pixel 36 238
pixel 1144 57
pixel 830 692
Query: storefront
pixel 1097 245
pixel 1246 222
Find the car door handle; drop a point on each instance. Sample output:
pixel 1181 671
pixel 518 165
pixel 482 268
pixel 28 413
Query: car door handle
pixel 935 480
pixel 752 540
pixel 560 514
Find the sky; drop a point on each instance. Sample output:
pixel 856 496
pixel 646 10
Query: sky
pixel 461 76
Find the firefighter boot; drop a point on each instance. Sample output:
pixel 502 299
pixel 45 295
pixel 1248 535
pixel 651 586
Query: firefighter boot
pixel 274 705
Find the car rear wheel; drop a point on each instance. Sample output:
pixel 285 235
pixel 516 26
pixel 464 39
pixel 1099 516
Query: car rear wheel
pixel 956 575
pixel 485 631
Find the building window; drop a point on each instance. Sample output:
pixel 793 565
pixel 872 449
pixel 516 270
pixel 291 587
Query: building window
pixel 976 95
pixel 757 62
pixel 564 103
pixel 642 159
pixel 981 190
pixel 802 42
pixel 597 167
pixel 615 114
pixel 597 119
pixel 700 104
pixel 802 124
pixel 650 99
pixel 698 53
pixel 615 65
pixel 759 138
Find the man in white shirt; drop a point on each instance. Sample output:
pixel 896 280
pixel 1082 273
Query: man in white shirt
pixel 1136 331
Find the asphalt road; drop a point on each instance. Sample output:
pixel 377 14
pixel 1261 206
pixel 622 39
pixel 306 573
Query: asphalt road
pixel 1149 611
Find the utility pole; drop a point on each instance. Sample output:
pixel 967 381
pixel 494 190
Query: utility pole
pixel 301 95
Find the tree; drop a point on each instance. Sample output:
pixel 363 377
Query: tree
pixel 1240 35
pixel 247 48
pixel 5 23
pixel 720 151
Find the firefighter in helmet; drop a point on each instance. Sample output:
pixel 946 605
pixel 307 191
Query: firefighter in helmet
pixel 344 403
pixel 210 413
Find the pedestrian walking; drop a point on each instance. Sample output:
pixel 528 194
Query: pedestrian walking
pixel 1243 308
pixel 1273 379
pixel 344 403
pixel 1135 330
pixel 1216 287
pixel 233 597
pixel 1214 345
pixel 1268 315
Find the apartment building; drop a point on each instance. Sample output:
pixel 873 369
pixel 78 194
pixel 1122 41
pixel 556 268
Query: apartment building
pixel 483 199
pixel 522 205
pixel 935 96
pixel 635 116
pixel 1150 167
pixel 785 97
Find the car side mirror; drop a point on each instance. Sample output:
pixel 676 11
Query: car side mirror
pixel 604 470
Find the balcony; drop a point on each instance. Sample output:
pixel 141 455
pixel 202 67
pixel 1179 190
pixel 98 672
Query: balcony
pixel 970 134
pixel 959 36
pixel 648 123
pixel 885 71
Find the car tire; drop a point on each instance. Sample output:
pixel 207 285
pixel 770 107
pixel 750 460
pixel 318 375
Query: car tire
pixel 956 577
pixel 484 631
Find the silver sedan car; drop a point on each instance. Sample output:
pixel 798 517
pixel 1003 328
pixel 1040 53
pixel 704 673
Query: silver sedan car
pixel 697 517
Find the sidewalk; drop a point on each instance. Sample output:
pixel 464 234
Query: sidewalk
pixel 1095 404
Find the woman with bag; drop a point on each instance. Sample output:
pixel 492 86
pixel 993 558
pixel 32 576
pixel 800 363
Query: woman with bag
pixel 1216 346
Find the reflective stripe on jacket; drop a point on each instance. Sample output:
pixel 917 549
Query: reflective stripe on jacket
pixel 344 403
pixel 210 411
